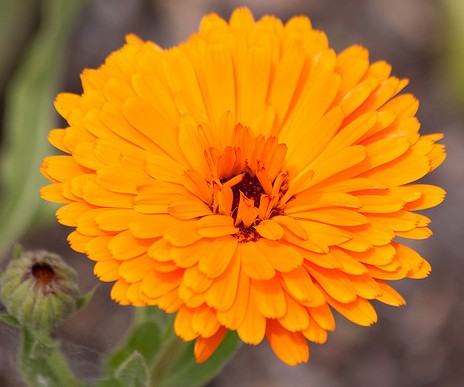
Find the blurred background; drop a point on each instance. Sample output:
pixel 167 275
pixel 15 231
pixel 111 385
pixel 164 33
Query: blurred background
pixel 45 44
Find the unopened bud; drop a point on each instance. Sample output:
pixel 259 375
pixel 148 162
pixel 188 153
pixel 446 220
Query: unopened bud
pixel 39 289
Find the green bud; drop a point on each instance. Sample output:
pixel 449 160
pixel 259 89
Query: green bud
pixel 39 289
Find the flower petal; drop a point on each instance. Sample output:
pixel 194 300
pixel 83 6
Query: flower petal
pixel 290 347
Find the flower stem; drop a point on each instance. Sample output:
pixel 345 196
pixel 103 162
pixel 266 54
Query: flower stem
pixel 172 349
pixel 42 362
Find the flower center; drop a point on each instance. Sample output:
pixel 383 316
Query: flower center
pixel 248 180
pixel 43 273
pixel 250 187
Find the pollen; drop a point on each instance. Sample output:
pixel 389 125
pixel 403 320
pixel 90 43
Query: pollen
pixel 247 234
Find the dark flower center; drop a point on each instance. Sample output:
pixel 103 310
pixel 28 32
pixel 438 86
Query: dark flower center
pixel 247 234
pixel 43 273
pixel 250 187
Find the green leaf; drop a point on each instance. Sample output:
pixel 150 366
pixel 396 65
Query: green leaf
pixel 187 372
pixel 110 383
pixel 133 372
pixel 145 339
pixel 169 358
pixel 454 16
pixel 29 116
pixel 16 19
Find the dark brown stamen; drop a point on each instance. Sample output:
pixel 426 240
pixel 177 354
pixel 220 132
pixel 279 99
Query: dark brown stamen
pixel 43 273
pixel 250 187
pixel 247 234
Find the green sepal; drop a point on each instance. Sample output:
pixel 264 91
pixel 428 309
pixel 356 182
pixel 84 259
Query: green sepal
pixel 9 319
pixel 85 299
pixel 17 251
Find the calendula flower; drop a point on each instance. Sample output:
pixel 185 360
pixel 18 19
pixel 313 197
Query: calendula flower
pixel 249 179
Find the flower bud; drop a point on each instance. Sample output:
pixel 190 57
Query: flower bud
pixel 39 289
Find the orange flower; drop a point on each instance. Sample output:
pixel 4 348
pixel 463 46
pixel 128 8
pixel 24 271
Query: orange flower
pixel 249 179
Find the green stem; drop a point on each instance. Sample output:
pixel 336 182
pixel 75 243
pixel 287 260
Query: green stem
pixel 172 349
pixel 43 364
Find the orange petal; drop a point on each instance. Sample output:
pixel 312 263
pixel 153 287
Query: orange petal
pixel 416 233
pixel 97 195
pixel 270 229
pixel 224 290
pixel 115 219
pixel 204 347
pixel 125 246
pixel 87 225
pixel 215 226
pixel 97 248
pixel 366 287
pixel 378 255
pixel 296 317
pixel 348 264
pixel 411 261
pixel 62 168
pixel 183 324
pixel 253 327
pixel 205 321
pixel 197 185
pixel 155 284
pixel 78 241
pixel 151 226
pixel 292 225
pixel 359 311
pixel 323 317
pixel 69 214
pixel 269 297
pixel 389 295
pixel 169 302
pixel 431 196
pixel 66 102
pixel 107 271
pixel 315 333
pixel 119 292
pixel 160 251
pixel 109 177
pixel 299 285
pixel 233 317
pixel 216 259
pixel 196 280
pixel 254 263
pixel 134 270
pixel 334 282
pixel 188 208
pixel 182 234
pixel 54 193
pixel 334 216
pixel 282 257
pixel 290 347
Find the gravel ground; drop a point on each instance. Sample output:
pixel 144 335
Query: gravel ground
pixel 420 345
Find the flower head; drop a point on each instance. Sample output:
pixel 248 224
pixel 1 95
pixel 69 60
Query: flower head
pixel 249 179
pixel 39 289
